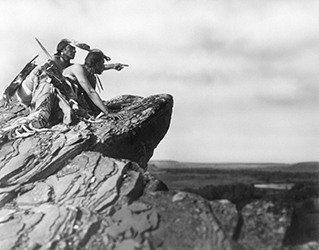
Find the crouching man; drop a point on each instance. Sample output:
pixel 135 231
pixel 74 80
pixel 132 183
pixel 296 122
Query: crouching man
pixel 84 81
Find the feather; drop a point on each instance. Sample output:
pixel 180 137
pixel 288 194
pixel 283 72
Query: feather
pixel 100 86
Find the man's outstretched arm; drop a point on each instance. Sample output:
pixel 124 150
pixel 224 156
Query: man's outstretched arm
pixel 116 66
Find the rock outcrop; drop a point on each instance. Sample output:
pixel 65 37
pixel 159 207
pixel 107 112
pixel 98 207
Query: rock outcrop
pixel 87 186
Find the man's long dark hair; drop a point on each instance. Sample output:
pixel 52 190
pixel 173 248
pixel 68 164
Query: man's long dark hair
pixel 93 58
pixel 61 45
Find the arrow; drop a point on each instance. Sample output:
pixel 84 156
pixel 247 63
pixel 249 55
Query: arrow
pixel 44 49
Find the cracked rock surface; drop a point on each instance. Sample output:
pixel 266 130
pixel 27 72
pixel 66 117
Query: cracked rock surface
pixel 87 186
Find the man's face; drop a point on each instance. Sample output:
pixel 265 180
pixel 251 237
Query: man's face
pixel 99 67
pixel 69 51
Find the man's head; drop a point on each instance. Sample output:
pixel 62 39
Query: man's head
pixel 95 60
pixel 66 49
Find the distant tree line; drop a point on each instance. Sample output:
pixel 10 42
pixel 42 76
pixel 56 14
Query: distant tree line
pixel 303 191
pixel 241 194
pixel 262 175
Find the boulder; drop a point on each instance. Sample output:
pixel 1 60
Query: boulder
pixel 63 178
pixel 304 225
pixel 86 186
pixel 227 215
pixel 144 123
pixel 264 225
pixel 97 202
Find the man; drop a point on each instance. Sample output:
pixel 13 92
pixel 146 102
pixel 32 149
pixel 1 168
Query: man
pixel 46 93
pixel 83 78
pixel 61 59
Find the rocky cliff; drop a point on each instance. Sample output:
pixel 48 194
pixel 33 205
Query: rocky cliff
pixel 87 186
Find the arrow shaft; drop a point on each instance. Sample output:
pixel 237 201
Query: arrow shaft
pixel 44 49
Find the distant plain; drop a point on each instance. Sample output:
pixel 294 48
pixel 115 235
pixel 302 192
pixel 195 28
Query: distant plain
pixel 183 175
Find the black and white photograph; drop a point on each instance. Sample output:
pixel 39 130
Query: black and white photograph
pixel 159 124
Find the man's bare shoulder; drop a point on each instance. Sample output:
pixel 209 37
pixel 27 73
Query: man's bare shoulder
pixel 74 68
pixel 77 66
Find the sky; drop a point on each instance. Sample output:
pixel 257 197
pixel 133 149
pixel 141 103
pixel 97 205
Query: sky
pixel 244 74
